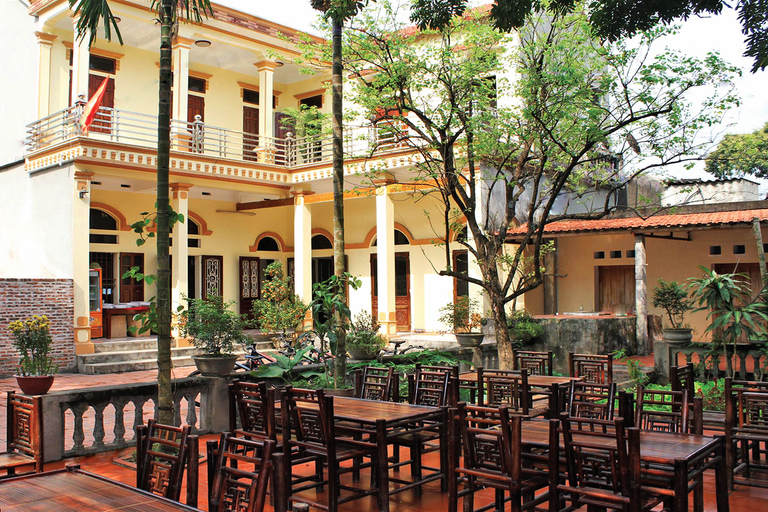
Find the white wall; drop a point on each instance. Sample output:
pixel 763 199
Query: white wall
pixel 37 232
pixel 710 192
pixel 18 101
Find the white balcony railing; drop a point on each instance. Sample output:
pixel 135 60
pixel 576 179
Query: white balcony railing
pixel 139 129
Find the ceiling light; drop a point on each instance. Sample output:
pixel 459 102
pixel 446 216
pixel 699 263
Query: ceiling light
pixel 203 43
pixel 117 19
pixel 279 63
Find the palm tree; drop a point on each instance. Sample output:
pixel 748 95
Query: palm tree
pixel 90 14
pixel 338 11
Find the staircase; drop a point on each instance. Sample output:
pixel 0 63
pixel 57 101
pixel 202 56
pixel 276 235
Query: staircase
pixel 135 354
pixel 621 375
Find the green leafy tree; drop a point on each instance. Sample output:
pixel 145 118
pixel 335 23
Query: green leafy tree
pixel 213 327
pixel 610 19
pixel 672 297
pixel 575 105
pixel 278 309
pixel 90 14
pixel 744 154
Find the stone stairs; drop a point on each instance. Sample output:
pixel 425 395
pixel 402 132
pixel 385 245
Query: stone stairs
pixel 135 354
pixel 621 374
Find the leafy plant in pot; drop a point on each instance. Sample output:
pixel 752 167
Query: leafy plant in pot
pixel 279 310
pixel 364 342
pixel 462 316
pixel 216 331
pixel 32 339
pixel 672 297
pixel 524 330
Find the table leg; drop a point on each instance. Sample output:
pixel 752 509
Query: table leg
pixel 383 465
pixel 454 446
pixel 681 486
pixel 444 453
pixel 721 477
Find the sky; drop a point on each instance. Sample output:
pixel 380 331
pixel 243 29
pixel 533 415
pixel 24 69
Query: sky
pixel 697 37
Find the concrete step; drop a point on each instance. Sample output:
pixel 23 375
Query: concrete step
pixel 132 355
pixel 621 375
pixel 144 360
pixel 128 344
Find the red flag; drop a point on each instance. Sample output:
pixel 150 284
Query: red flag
pixel 90 109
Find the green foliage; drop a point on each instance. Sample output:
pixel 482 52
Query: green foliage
pixel 523 328
pixel 305 121
pixel 32 339
pixel 672 297
pixel 364 334
pixel 278 309
pixel 731 310
pixel 283 367
pixel 712 393
pixel 633 367
pixel 213 327
pixel 149 218
pixel 461 315
pixel 740 154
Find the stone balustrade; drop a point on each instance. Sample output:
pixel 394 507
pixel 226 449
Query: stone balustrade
pixel 748 360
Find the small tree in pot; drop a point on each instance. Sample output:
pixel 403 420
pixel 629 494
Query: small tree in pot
pixel 215 330
pixel 279 310
pixel 364 342
pixel 33 341
pixel 462 316
pixel 672 297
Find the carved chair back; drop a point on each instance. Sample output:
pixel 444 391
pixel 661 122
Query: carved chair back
pixel 375 383
pixel 590 400
pixel 161 452
pixel 593 368
pixel 244 468
pixel 24 434
pixel 662 410
pixel 536 363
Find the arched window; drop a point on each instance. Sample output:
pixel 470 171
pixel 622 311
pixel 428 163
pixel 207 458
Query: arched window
pixel 321 242
pixel 400 239
pixel 102 221
pixel 268 244
pixel 193 233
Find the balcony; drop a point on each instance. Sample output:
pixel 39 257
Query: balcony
pixel 198 138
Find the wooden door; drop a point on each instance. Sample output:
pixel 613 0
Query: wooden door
pixel 250 133
pixel 402 290
pixel 616 287
pixel 281 132
pixel 752 271
pixel 195 107
pixel 131 289
pixel 102 123
pixel 212 268
pixel 249 284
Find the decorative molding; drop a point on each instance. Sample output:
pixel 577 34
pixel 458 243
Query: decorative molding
pixel 271 234
pixel 316 92
pixel 200 222
pixel 265 65
pixel 184 42
pixel 320 231
pixel 122 223
pixel 45 38
pixel 368 240
pixel 200 74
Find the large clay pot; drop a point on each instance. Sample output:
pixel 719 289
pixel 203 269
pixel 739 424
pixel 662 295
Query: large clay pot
pixel 469 339
pixel 215 366
pixel 35 385
pixel 677 336
pixel 363 354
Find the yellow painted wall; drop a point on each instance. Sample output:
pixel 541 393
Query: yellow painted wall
pixel 668 259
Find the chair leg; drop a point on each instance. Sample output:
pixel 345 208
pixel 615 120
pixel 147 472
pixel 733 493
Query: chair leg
pixel 333 486
pixel 469 497
pixel 396 456
pixel 319 473
pixel 416 472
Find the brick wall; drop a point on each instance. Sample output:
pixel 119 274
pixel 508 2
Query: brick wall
pixel 22 298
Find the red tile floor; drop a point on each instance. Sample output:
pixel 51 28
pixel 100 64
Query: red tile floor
pixel 743 498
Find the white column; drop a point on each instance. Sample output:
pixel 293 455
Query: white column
pixel 266 91
pixel 302 247
pixel 641 296
pixel 80 64
pixel 180 247
pixel 385 259
pixel 44 44
pixel 81 216
pixel 180 63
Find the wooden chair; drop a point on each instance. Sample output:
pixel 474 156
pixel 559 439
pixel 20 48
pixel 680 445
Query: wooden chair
pixel 243 470
pixel 597 369
pixel 495 457
pixel 603 461
pixel 308 423
pixel 484 375
pixel 746 413
pixel 162 452
pixel 682 378
pixel 254 405
pixel 662 410
pixel 24 444
pixel 591 400
pixel 536 363
pixel 374 383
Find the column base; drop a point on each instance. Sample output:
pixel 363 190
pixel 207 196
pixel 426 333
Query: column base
pixel 83 343
pixel 388 324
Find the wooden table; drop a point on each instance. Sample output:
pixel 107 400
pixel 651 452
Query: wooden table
pixel 72 489
pixel 398 417
pixel 108 313
pixel 557 401
pixel 685 453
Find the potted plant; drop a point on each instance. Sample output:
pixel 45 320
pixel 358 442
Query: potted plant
pixel 32 339
pixel 364 342
pixel 524 330
pixel 672 297
pixel 215 330
pixel 279 309
pixel 462 316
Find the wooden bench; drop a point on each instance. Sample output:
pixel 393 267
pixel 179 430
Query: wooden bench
pixel 25 434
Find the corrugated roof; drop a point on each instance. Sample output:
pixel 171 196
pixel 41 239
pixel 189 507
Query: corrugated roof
pixel 673 221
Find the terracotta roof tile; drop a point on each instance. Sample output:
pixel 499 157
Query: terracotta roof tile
pixel 654 222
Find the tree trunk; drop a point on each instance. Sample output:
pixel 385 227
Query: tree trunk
pixel 164 394
pixel 760 252
pixel 339 263
pixel 503 342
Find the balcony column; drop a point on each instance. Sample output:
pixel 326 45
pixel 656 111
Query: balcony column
pixel 81 217
pixel 266 91
pixel 385 260
pixel 302 246
pixel 44 44
pixel 180 246
pixel 80 65
pixel 180 64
